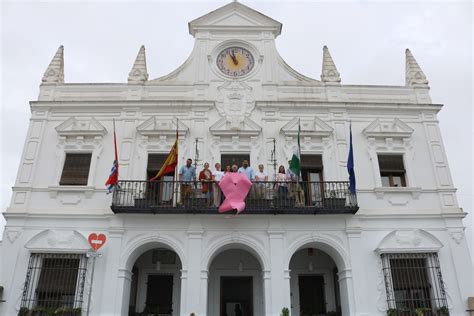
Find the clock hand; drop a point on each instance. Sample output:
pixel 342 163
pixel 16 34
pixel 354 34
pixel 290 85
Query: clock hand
pixel 232 55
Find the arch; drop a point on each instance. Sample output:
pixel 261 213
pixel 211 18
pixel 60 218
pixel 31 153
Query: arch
pixel 325 243
pixel 142 243
pixel 231 242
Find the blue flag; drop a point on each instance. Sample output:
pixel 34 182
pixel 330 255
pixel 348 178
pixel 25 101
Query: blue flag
pixel 350 164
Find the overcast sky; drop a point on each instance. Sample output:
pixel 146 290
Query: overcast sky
pixel 367 41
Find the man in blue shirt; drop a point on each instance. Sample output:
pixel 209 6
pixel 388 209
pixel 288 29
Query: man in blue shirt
pixel 187 175
pixel 247 170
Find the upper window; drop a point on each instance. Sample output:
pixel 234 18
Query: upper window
pixel 76 169
pixel 392 170
pixel 413 282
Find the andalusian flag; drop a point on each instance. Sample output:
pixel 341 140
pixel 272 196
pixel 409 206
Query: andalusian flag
pixel 295 165
pixel 171 161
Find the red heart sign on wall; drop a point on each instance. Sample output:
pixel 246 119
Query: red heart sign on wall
pixel 96 241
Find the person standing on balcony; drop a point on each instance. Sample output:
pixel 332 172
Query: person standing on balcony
pixel 187 175
pixel 294 186
pixel 281 183
pixel 249 173
pixel 217 177
pixel 262 177
pixel 205 176
pixel 247 170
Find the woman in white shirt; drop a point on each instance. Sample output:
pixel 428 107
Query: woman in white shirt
pixel 281 182
pixel 260 176
pixel 217 177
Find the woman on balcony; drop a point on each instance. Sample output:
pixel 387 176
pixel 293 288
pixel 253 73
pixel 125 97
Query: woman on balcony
pixel 205 176
pixel 281 183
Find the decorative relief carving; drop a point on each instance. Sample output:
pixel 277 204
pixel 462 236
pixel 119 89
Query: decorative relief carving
pixel 381 290
pixel 408 240
pixel 457 236
pixel 234 102
pixel 58 239
pixel 13 234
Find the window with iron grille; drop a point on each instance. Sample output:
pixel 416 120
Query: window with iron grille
pixel 76 169
pixel 413 282
pixel 392 170
pixel 54 282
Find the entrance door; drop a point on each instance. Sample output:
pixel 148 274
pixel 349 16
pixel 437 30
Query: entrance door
pixel 236 296
pixel 311 289
pixel 159 295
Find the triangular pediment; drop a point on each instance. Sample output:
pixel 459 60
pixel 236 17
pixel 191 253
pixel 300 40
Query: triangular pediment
pixel 388 128
pixel 81 127
pixel 247 127
pixel 155 126
pixel 234 16
pixel 309 127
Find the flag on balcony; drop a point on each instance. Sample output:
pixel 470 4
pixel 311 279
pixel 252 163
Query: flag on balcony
pixel 295 164
pixel 350 164
pixel 112 181
pixel 171 161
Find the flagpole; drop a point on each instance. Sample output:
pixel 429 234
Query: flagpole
pixel 176 167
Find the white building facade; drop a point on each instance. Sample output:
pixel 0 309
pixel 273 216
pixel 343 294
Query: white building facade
pixel 400 250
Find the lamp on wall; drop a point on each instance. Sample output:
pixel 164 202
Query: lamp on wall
pixel 310 266
pixel 158 266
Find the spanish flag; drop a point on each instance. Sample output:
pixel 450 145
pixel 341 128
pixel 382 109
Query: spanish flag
pixel 171 161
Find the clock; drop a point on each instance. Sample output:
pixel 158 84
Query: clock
pixel 235 61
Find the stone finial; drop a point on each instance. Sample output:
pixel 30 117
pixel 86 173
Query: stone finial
pixel 55 71
pixel 414 76
pixel 138 74
pixel 329 73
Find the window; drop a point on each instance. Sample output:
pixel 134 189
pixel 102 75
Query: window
pixel 231 159
pixel 76 169
pixel 392 170
pixel 413 281
pixel 54 281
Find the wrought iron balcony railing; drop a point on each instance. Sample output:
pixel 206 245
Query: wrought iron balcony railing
pixel 168 197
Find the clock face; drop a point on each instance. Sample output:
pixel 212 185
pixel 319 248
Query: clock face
pixel 235 61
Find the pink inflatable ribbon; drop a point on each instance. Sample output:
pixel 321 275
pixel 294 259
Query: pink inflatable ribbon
pixel 235 186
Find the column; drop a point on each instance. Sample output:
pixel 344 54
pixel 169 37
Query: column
pixel 279 295
pixel 191 286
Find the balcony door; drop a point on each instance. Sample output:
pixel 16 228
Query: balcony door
pixel 156 191
pixel 233 159
pixel 312 174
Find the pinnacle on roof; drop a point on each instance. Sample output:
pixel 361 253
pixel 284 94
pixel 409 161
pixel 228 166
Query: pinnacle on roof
pixel 139 74
pixel 55 71
pixel 414 76
pixel 329 73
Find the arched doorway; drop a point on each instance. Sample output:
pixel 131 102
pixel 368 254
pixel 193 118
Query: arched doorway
pixel 314 283
pixel 155 287
pixel 235 285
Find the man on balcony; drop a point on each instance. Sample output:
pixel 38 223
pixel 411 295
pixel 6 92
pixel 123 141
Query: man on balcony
pixel 187 175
